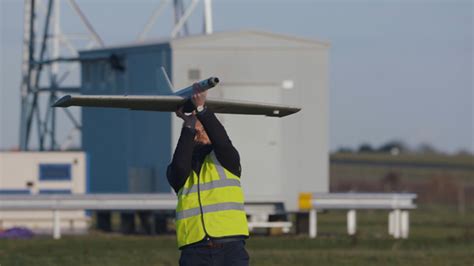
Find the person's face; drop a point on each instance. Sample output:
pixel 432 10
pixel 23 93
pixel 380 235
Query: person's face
pixel 201 135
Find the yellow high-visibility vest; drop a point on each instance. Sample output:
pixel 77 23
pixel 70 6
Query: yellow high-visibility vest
pixel 210 204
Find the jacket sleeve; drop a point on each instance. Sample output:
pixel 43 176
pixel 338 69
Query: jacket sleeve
pixel 180 166
pixel 225 152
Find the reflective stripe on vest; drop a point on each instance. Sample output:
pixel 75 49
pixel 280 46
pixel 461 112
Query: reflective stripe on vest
pixel 218 208
pixel 212 185
pixel 219 168
pixel 210 208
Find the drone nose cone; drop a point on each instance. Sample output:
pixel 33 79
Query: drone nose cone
pixel 213 81
pixel 63 101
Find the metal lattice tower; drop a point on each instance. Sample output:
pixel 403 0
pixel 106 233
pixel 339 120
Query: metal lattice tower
pixel 46 68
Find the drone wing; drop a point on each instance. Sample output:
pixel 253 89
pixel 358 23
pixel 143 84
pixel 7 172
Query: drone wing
pixel 170 103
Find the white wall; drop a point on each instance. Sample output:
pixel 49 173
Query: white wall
pixel 280 157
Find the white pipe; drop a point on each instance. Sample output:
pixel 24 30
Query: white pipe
pixel 351 222
pixel 405 224
pixel 397 225
pixel 26 47
pixel 56 224
pixel 86 23
pixel 391 218
pixel 313 223
pixel 183 19
pixel 56 37
pixel 152 20
pixel 208 27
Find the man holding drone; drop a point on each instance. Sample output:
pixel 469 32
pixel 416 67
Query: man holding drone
pixel 211 224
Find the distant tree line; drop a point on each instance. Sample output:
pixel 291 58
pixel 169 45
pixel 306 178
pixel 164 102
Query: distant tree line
pixel 396 147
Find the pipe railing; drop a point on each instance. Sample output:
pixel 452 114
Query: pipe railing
pixel 397 203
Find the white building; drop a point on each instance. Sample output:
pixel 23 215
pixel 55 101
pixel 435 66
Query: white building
pixel 24 173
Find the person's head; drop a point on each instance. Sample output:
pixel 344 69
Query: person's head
pixel 201 135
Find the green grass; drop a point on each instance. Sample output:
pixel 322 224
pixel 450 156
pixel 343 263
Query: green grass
pixel 439 236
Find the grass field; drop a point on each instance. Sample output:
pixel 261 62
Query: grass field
pixel 436 179
pixel 439 236
pixel 411 167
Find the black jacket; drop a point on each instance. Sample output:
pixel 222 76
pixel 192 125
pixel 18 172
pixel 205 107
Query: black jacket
pixel 190 155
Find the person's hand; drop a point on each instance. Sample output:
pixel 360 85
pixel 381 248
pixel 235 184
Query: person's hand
pixel 189 120
pixel 199 96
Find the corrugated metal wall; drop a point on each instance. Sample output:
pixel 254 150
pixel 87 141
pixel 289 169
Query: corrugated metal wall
pixel 129 150
pixel 280 157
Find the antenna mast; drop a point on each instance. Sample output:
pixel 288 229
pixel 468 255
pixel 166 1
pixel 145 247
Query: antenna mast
pixel 50 62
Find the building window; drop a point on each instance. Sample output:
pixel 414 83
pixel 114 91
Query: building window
pixel 54 172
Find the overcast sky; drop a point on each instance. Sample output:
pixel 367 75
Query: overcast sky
pixel 398 69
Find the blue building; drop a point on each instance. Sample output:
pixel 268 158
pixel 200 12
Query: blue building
pixel 129 150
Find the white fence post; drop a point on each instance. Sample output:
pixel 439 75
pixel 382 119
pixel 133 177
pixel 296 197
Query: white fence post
pixel 313 223
pixel 351 222
pixel 405 224
pixel 397 224
pixel 391 221
pixel 56 224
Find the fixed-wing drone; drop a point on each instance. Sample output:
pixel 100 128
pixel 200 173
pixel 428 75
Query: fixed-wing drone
pixel 170 103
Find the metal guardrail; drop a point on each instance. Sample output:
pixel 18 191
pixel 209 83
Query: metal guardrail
pixel 363 200
pixel 398 203
pixel 89 202
pixel 57 203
